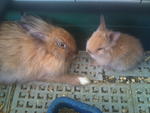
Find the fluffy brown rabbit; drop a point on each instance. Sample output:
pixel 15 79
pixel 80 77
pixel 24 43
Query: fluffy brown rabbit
pixel 114 50
pixel 33 50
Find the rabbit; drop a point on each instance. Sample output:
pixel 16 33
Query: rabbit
pixel 33 50
pixel 114 50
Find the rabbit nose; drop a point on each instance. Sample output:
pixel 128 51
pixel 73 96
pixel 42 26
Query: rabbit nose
pixel 73 54
pixel 88 51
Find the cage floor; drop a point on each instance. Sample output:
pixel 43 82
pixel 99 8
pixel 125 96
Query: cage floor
pixel 112 92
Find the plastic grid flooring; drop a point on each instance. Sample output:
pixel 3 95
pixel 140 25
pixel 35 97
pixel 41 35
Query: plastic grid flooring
pixel 5 92
pixel 82 66
pixel 109 97
pixel 141 97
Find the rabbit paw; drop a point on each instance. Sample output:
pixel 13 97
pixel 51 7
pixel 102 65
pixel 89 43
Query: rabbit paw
pixel 84 80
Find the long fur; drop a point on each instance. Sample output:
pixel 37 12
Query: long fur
pixel 118 51
pixel 24 58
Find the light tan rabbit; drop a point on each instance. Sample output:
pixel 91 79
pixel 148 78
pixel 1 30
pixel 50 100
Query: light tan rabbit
pixel 114 50
pixel 31 49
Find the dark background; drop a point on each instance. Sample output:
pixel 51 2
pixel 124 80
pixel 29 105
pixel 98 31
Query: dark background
pixel 82 18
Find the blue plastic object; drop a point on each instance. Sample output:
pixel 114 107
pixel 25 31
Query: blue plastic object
pixel 78 106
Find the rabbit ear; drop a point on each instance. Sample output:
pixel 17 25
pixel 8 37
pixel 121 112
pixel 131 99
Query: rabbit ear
pixel 114 36
pixel 39 35
pixel 102 23
pixel 33 32
pixel 35 26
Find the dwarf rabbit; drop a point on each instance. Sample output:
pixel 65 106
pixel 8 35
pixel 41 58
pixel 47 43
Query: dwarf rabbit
pixel 114 50
pixel 33 50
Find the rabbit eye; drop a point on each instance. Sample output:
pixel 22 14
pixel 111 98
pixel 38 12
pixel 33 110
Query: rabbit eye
pixel 61 44
pixel 99 49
